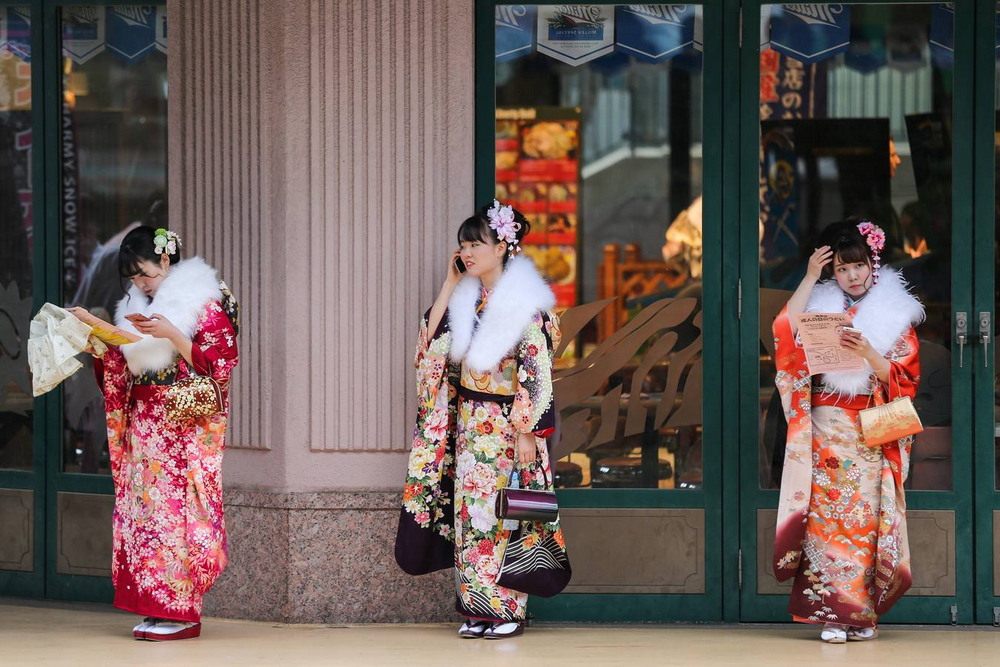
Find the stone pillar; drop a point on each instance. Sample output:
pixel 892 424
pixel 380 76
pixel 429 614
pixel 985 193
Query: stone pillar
pixel 321 157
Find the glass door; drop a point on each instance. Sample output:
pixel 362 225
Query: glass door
pixel 593 121
pixel 859 112
pixel 83 93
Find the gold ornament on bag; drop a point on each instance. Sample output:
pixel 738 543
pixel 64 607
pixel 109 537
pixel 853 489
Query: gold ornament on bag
pixel 193 397
pixel 890 421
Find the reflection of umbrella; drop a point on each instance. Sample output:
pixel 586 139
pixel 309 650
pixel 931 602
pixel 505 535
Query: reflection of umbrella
pixel 15 313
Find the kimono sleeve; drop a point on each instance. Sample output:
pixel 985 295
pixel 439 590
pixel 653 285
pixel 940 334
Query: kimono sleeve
pixel 113 378
pixel 904 366
pixel 213 350
pixel 533 410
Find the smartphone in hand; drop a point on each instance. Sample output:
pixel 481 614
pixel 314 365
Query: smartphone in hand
pixel 137 317
pixel 460 265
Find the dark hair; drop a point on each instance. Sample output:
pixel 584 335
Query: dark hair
pixel 477 228
pixel 846 242
pixel 138 246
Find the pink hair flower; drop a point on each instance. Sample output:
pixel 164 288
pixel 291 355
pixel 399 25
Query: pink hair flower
pixel 875 238
pixel 502 222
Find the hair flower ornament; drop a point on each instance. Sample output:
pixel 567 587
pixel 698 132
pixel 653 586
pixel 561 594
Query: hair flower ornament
pixel 165 241
pixel 502 222
pixel 875 237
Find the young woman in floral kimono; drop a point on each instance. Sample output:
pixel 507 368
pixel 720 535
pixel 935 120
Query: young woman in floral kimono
pixel 168 532
pixel 841 529
pixel 484 374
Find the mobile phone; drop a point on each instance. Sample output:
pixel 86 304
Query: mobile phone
pixel 460 265
pixel 852 330
pixel 136 317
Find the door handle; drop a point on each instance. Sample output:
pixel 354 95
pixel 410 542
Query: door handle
pixel 985 335
pixel 961 335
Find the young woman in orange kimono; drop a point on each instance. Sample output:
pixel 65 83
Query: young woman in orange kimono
pixel 841 529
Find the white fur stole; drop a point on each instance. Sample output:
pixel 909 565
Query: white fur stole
pixel 182 296
pixel 518 295
pixel 884 315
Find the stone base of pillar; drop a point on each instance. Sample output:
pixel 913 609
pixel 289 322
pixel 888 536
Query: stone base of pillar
pixel 321 557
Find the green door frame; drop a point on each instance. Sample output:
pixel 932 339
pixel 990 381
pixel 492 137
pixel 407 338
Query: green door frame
pixel 987 496
pixel 646 607
pixel 47 478
pixel 756 607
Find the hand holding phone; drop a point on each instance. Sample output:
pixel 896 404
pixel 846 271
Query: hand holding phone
pixel 136 317
pixel 460 265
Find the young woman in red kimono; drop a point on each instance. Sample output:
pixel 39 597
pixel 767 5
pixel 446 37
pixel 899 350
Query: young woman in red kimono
pixel 841 529
pixel 169 536
pixel 484 375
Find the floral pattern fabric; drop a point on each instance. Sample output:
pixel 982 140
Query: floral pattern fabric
pixel 169 537
pixel 842 514
pixel 464 450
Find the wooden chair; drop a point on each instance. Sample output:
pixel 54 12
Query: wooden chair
pixel 630 276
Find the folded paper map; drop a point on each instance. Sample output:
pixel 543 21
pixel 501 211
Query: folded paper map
pixel 106 331
pixel 819 334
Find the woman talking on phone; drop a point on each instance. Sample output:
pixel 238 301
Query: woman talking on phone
pixel 484 377
pixel 169 537
pixel 841 529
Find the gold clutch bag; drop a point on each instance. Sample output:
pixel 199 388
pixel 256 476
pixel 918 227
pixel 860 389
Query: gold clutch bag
pixel 193 397
pixel 891 421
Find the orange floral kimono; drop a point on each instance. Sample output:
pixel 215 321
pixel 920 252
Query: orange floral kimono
pixel 841 529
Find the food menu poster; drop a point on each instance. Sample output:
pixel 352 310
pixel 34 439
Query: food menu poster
pixel 538 172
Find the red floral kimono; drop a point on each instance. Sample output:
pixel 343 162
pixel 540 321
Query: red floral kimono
pixel 841 529
pixel 169 533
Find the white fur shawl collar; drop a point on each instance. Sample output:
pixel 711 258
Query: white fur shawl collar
pixel 518 295
pixel 883 316
pixel 181 298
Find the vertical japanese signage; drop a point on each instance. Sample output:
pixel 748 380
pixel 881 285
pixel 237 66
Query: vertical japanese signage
pixel 538 171
pixel 789 88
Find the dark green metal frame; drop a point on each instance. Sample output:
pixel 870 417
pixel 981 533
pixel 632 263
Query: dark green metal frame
pixel 47 478
pixel 984 258
pixel 611 608
pixel 756 607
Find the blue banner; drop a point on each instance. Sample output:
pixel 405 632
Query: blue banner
pixel 943 35
pixel 515 31
pixel 867 52
pixel 131 31
pixel 18 32
pixel 810 32
pixel 654 33
pixel 83 32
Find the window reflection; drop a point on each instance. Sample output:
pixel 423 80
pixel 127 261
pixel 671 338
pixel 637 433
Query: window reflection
pixel 114 150
pixel 15 241
pixel 856 121
pixel 598 141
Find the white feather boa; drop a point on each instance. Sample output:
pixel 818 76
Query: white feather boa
pixel 182 296
pixel 518 295
pixel 884 315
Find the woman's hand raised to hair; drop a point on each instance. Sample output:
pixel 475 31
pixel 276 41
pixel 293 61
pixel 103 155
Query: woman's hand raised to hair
pixel 820 258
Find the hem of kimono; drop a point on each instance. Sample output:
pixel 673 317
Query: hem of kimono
pixel 799 619
pixel 193 617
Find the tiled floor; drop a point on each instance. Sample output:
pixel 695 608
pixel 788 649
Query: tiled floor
pixel 43 634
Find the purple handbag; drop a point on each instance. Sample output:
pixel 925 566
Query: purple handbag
pixel 526 505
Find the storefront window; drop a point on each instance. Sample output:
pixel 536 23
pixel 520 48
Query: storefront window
pixel 598 142
pixel 114 176
pixel 15 238
pixel 855 109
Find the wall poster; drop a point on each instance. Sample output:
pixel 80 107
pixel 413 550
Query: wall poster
pixel 538 171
